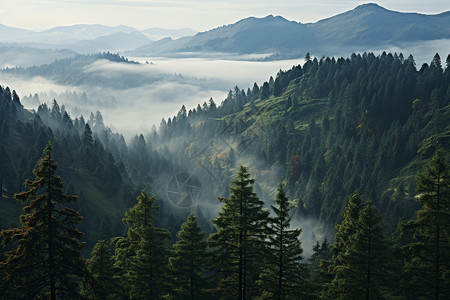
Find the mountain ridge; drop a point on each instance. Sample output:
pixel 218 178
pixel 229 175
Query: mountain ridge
pixel 366 27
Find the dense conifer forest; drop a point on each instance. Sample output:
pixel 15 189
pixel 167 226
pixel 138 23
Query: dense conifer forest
pixel 358 144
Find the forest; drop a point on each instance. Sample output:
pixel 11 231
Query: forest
pixel 358 144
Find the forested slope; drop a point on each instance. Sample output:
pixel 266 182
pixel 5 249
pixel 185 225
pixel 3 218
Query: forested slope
pixel 332 126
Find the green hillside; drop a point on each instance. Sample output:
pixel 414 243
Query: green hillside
pixel 366 122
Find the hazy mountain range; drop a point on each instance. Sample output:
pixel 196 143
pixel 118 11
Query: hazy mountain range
pixel 367 27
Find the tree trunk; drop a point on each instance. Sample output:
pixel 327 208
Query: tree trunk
pixel 437 263
pixel 49 236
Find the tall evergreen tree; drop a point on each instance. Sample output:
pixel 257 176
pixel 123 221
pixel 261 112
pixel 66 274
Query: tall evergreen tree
pixel 318 264
pixel 429 266
pixel 344 231
pixel 141 257
pixel 239 244
pixel 47 260
pixel 7 174
pixel 286 275
pixel 188 261
pixel 363 270
pixel 101 266
pixel 149 269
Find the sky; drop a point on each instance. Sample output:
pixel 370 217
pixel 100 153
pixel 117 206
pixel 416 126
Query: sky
pixel 200 15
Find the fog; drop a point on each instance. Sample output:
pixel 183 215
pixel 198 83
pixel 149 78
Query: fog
pixel 422 52
pixel 134 97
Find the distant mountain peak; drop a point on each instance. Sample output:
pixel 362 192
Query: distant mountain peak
pixel 369 5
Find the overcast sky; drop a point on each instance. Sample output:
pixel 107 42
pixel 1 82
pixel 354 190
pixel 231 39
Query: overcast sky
pixel 197 14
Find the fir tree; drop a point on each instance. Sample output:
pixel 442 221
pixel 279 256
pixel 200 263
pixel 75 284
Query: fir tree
pixel 141 257
pixel 101 266
pixel 149 267
pixel 319 263
pixel 285 277
pixel 344 231
pixel 428 269
pixel 46 261
pixel 362 271
pixel 239 245
pixel 189 261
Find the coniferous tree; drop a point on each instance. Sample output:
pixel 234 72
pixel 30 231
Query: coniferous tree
pixel 47 260
pixel 188 261
pixel 7 175
pixel 239 246
pixel 363 270
pixel 141 257
pixel 149 268
pixel 344 231
pixel 428 269
pixel 319 263
pixel 286 275
pixel 101 266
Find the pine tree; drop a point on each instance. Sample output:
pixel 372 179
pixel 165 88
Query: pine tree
pixel 101 266
pixel 319 263
pixel 7 174
pixel 46 261
pixel 428 269
pixel 141 257
pixel 239 245
pixel 344 231
pixel 149 267
pixel 188 261
pixel 363 270
pixel 285 277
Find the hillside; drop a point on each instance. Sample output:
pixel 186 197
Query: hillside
pixel 325 129
pixel 366 122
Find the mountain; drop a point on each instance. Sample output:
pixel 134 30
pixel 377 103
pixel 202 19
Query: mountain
pixel 157 33
pixel 60 35
pixel 13 34
pixel 367 26
pixel 79 32
pixel 373 25
pixel 248 36
pixel 119 41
